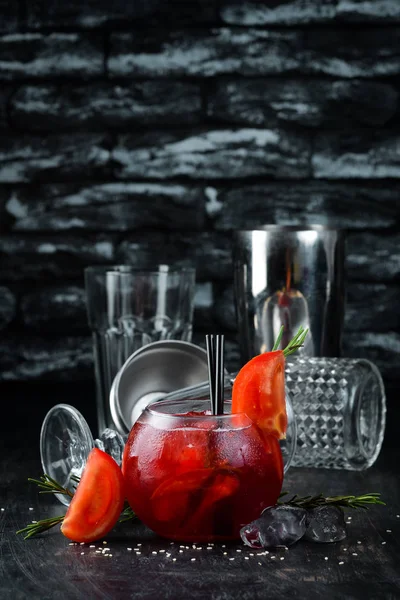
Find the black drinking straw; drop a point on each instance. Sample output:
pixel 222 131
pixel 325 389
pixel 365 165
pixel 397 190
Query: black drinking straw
pixel 211 369
pixel 219 375
pixel 215 357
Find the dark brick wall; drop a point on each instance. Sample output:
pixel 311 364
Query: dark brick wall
pixel 145 131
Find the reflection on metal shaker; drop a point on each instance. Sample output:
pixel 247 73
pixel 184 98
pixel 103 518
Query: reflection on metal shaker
pixel 290 276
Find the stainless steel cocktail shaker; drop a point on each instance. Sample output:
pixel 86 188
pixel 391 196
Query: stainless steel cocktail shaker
pixel 290 276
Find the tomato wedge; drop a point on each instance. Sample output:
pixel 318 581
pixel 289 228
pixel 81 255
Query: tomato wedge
pixel 192 495
pixel 98 501
pixel 259 391
pixel 171 498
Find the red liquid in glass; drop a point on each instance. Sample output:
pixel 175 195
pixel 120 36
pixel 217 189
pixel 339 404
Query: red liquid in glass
pixel 201 482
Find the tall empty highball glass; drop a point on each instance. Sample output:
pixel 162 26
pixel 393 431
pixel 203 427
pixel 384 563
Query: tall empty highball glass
pixel 129 308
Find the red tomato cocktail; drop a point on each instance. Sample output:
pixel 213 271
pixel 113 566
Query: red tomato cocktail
pixel 193 476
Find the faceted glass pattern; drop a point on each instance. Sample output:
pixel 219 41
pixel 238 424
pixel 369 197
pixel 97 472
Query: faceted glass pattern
pixel 340 410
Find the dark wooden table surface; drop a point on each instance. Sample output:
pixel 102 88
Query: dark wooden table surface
pixel 365 565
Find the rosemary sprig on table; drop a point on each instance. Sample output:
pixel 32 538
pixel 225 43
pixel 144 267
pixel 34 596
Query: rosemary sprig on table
pixel 364 501
pixel 48 485
pixel 40 526
pixel 127 515
pixel 295 343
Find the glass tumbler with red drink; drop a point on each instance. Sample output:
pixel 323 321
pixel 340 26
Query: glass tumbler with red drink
pixel 194 476
pixel 199 475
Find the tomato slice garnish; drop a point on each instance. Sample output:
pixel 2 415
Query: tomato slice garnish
pixel 171 498
pixel 98 500
pixel 259 391
pixel 192 495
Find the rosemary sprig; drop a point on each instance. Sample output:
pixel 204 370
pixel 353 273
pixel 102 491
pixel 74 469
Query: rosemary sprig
pixel 295 343
pixel 48 485
pixel 364 501
pixel 127 515
pixel 278 339
pixel 35 528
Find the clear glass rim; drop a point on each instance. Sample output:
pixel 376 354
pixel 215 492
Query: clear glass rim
pixel 121 268
pixel 377 430
pixel 151 409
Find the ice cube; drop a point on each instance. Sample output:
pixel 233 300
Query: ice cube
pixel 325 524
pixel 113 443
pixel 277 526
